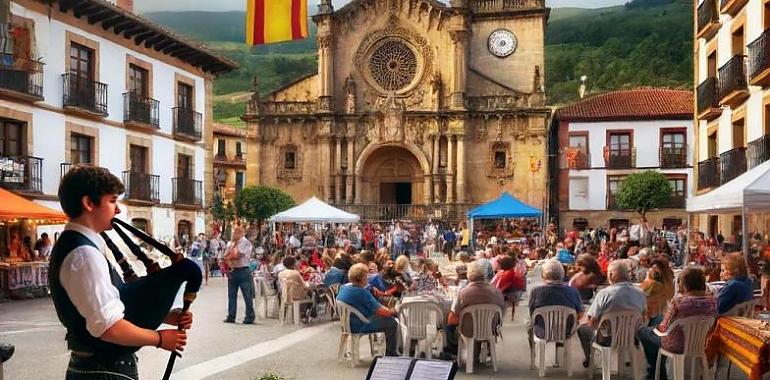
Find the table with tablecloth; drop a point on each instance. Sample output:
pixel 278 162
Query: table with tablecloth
pixel 743 341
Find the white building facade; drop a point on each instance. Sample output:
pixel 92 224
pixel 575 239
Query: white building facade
pixel 732 118
pixel 603 139
pixel 90 83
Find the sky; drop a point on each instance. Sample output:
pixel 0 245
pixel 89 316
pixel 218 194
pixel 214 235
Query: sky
pixel 235 5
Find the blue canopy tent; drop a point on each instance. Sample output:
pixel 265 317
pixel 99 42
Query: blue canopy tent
pixel 507 206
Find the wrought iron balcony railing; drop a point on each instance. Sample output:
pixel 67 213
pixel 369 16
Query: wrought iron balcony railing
pixel 673 157
pixel 612 202
pixel 708 14
pixel 141 109
pixel 84 93
pixel 21 173
pixel 624 158
pixel 64 167
pixel 187 191
pixel 141 186
pixel 188 123
pixel 676 201
pixel 575 158
pixel 732 78
pixel 733 163
pixel 708 95
pixel 759 59
pixel 759 151
pixel 21 75
pixel 709 173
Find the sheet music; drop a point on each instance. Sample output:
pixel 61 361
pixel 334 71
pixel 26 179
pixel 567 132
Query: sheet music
pixel 391 368
pixel 431 370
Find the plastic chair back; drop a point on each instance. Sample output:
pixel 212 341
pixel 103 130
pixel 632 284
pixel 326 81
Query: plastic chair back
pixel 743 309
pixel 414 318
pixel 483 317
pixel 555 319
pixel 623 327
pixel 345 311
pixel 695 331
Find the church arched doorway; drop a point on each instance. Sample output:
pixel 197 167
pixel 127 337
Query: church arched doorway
pixel 392 175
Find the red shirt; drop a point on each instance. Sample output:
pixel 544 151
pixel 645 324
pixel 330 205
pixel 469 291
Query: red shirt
pixel 507 280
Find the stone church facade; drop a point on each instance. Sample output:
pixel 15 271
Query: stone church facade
pixel 414 102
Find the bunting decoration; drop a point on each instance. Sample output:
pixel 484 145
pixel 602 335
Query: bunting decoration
pixel 269 21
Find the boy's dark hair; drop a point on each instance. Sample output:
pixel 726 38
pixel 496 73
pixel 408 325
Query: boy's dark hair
pixel 90 181
pixel 289 262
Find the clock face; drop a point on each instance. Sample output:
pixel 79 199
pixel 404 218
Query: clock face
pixel 502 43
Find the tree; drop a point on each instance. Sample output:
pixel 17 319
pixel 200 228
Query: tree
pixel 644 191
pixel 257 203
pixel 222 213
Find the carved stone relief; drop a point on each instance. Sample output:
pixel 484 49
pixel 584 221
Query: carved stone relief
pixel 500 160
pixel 289 164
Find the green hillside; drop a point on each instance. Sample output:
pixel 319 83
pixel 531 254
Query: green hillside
pixel 644 43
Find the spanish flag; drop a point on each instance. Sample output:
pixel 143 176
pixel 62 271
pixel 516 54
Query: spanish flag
pixel 269 21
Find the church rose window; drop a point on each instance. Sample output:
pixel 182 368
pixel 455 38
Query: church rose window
pixel 393 65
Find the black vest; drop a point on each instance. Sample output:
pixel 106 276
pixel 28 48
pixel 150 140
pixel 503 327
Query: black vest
pixel 78 338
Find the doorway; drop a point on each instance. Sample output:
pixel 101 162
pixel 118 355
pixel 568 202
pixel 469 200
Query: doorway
pixel 396 193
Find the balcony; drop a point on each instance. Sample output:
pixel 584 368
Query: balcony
pixel 140 110
pixel 759 60
pixel 619 158
pixel 21 173
pixel 708 19
pixel 612 202
pixel 673 157
pixel 21 78
pixel 64 167
pixel 759 151
pixel 708 173
pixel 732 7
pixel 187 192
pixel 676 201
pixel 733 163
pixel 733 88
pixel 708 100
pixel 141 187
pixel 84 95
pixel 187 123
pixel 575 158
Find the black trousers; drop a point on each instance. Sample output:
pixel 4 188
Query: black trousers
pixel 91 368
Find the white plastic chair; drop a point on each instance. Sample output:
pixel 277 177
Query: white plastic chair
pixel 265 294
pixel 623 327
pixel 345 311
pixel 331 301
pixel 695 331
pixel 743 309
pixel 419 321
pixel 291 305
pixel 483 317
pixel 555 319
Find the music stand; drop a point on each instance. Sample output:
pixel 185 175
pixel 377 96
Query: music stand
pixel 402 368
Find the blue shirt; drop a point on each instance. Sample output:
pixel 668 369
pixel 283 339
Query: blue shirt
pixel 565 257
pixel 363 301
pixel 450 236
pixel 375 281
pixel 335 276
pixel 735 291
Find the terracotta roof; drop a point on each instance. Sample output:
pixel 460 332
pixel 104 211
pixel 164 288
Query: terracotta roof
pixel 636 104
pixel 223 129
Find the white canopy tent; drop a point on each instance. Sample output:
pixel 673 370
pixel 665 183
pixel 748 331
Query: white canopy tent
pixel 748 193
pixel 314 210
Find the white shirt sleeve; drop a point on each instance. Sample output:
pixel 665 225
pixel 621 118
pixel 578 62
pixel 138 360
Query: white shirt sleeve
pixel 85 276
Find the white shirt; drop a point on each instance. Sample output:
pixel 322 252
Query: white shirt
pixel 85 277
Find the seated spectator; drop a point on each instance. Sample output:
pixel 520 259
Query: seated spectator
pixel 694 301
pixel 425 280
pixel 620 296
pixel 659 288
pixel 565 256
pixel 338 274
pixel 486 265
pixel 588 277
pixel 381 319
pixel 642 265
pixel 738 287
pixel 478 292
pixel 509 282
pixel 292 282
pixel 553 292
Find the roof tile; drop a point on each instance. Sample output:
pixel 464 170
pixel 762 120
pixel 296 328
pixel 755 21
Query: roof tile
pixel 635 104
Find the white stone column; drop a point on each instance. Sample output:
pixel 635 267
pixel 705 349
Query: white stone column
pixel 338 171
pixel 359 189
pixel 349 172
pixel 450 183
pixel 460 168
pixel 436 159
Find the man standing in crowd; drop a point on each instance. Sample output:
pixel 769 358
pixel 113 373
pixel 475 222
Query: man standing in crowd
pixel 237 257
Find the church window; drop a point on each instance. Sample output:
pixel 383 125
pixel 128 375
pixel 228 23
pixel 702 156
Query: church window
pixel 393 65
pixel 290 160
pixel 500 159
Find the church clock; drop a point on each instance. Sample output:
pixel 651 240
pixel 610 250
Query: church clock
pixel 502 43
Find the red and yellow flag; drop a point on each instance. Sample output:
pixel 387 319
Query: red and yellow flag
pixel 269 21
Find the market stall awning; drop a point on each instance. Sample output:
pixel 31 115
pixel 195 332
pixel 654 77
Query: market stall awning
pixel 14 207
pixel 750 190
pixel 314 210
pixel 504 207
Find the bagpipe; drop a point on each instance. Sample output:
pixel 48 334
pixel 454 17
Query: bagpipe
pixel 148 299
